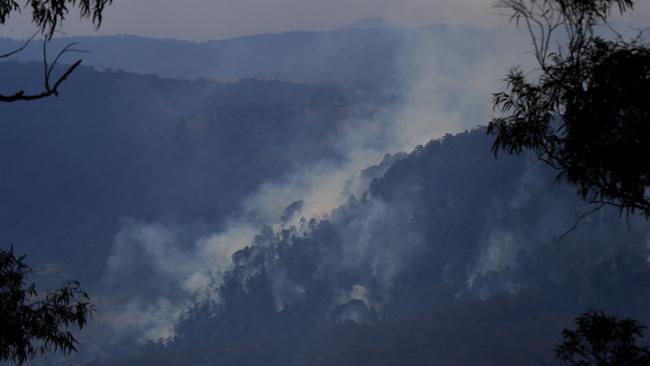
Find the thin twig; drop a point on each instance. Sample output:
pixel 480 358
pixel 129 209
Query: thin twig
pixel 579 220
pixel 21 48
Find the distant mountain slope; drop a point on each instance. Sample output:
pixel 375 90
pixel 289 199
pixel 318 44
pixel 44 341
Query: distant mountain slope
pixel 369 51
pixel 450 258
pixel 369 23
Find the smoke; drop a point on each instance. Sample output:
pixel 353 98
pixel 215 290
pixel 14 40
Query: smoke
pixel 161 274
pixel 179 268
pixel 499 253
pixel 451 72
pixel 143 319
pixel 447 78
pixel 203 19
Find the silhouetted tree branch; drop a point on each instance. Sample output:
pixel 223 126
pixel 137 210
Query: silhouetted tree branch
pixel 21 48
pixel 48 16
pixel 29 324
pixel 50 86
pixel 584 112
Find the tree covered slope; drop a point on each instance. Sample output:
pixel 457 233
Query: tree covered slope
pixel 451 257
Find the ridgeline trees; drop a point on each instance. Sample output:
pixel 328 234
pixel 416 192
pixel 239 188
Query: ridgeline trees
pixel 584 111
pixel 47 17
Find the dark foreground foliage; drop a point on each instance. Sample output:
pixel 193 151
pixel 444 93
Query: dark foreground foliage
pixel 31 325
pixel 603 340
pixel 586 115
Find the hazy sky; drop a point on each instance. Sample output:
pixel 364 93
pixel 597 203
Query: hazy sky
pixel 218 19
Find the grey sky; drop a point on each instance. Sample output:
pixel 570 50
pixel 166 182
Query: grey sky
pixel 218 19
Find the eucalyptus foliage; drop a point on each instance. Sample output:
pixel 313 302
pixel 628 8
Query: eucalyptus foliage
pixel 33 324
pixel 584 111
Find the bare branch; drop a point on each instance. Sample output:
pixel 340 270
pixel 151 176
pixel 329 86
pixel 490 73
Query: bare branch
pixel 48 16
pixel 579 220
pixel 50 87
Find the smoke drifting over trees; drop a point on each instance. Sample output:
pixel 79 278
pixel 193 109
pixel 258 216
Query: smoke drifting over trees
pixel 379 268
pixel 263 209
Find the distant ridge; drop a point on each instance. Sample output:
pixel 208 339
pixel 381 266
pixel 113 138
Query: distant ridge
pixel 368 50
pixel 371 23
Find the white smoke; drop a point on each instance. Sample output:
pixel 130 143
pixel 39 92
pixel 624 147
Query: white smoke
pixel 175 275
pixel 446 92
pixel 451 79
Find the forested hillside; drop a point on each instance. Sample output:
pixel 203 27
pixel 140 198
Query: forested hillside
pixel 451 257
pixel 117 145
pixel 263 201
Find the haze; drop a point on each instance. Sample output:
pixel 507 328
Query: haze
pixel 218 19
